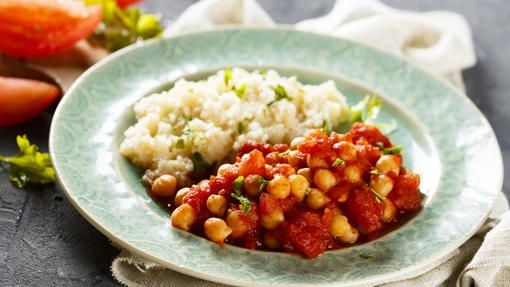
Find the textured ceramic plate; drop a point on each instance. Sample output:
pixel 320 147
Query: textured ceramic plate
pixel 446 140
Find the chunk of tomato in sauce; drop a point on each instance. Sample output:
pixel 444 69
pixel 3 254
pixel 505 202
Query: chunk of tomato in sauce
pixel 364 209
pixel 371 134
pixel 250 145
pixel 318 143
pixel 405 195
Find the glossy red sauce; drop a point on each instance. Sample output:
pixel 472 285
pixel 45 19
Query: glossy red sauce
pixel 307 230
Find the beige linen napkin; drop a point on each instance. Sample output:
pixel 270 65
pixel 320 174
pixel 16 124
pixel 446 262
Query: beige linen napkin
pixel 438 41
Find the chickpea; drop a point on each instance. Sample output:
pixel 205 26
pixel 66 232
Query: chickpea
pixel 252 185
pixel 273 220
pixel 340 226
pixel 279 187
pixel 164 185
pixel 183 217
pixel 324 179
pixel 235 221
pixel 316 199
pixel 217 204
pixel 345 150
pixel 216 229
pixel 387 163
pixel 271 241
pixel 296 158
pixel 315 161
pixel 351 236
pixel 295 142
pixel 298 186
pixel 273 158
pixel 382 184
pixel 336 210
pixel 223 168
pixel 306 173
pixel 180 195
pixel 390 211
pixel 352 173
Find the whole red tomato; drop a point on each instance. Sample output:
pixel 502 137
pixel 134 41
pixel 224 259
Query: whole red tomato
pixel 23 99
pixel 125 3
pixel 30 28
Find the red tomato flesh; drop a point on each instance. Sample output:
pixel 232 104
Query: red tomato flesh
pixel 303 225
pixel 30 28
pixel 23 99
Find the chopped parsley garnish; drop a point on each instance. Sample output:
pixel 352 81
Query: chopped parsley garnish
pixel 29 164
pixel 338 162
pixel 285 153
pixel 120 28
pixel 263 182
pixel 240 127
pixel 366 111
pixel 280 94
pixel 362 256
pixel 362 230
pixel 325 128
pixel 228 76
pixel 307 192
pixel 190 133
pixel 390 150
pixel 245 202
pixel 240 91
pixel 378 197
pixel 387 128
pixel 200 165
pixel 374 171
pixel 179 144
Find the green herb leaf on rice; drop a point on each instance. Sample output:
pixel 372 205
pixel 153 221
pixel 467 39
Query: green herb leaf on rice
pixel 280 94
pixel 228 76
pixel 179 144
pixel 200 166
pixel 240 127
pixel 240 91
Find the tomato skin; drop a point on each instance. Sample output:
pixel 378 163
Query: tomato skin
pixel 23 99
pixel 405 194
pixel 123 4
pixel 31 28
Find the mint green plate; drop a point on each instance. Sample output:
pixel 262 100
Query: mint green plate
pixel 446 140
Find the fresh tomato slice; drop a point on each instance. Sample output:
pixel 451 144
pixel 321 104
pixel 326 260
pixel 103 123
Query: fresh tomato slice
pixel 30 28
pixel 125 3
pixel 23 99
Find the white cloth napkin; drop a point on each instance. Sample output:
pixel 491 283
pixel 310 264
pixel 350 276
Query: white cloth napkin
pixel 438 41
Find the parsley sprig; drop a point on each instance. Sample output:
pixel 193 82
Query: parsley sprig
pixel 366 111
pixel 29 164
pixel 120 28
pixel 390 150
pixel 245 202
pixel 280 94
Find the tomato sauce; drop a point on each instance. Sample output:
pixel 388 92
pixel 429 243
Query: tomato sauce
pixel 325 193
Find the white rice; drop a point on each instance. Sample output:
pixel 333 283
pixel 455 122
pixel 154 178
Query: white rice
pixel 208 117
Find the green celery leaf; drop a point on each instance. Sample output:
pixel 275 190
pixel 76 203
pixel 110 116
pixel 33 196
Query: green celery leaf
pixel 29 164
pixel 148 26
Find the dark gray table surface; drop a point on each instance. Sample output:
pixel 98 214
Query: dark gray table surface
pixel 44 241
